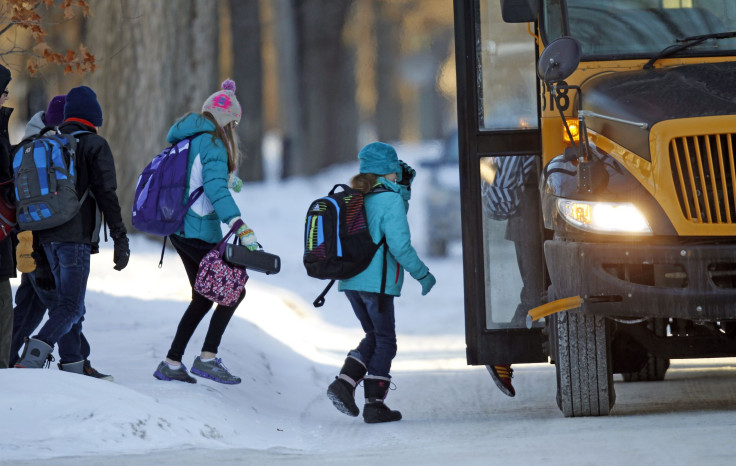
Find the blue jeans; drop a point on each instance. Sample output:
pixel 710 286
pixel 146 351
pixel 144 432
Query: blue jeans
pixel 31 303
pixel 378 348
pixel 70 266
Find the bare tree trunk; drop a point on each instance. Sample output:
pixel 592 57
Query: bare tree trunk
pixel 330 118
pixel 290 103
pixel 248 74
pixel 438 48
pixel 157 60
pixel 388 104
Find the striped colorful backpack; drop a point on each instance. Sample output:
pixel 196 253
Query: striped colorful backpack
pixel 337 243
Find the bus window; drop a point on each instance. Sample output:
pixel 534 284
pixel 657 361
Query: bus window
pixel 514 271
pixel 642 28
pixel 508 80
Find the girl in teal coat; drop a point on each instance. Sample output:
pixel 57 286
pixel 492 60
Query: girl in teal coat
pixel 212 163
pixel 386 183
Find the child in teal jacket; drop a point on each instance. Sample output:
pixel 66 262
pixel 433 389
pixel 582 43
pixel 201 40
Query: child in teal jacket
pixel 386 182
pixel 213 157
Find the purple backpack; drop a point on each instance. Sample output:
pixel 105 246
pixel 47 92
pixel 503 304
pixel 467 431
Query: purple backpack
pixel 158 206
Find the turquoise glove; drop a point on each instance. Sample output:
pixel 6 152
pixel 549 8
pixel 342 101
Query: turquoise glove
pixel 427 282
pixel 235 183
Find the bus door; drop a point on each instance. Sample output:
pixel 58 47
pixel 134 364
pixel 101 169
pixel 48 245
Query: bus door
pixel 500 161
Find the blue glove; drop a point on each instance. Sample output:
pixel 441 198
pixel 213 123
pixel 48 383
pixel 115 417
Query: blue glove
pixel 427 282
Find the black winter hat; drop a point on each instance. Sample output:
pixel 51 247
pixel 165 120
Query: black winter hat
pixel 81 102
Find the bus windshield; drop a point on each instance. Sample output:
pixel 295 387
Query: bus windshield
pixel 617 29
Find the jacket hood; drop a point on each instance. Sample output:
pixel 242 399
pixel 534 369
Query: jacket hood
pixel 401 189
pixel 390 185
pixel 652 96
pixel 188 126
pixel 35 125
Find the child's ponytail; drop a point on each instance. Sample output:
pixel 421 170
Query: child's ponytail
pixel 364 182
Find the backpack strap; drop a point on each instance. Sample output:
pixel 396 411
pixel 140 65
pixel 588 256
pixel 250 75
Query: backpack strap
pixel 163 250
pixel 192 199
pixel 384 273
pixel 320 301
pixel 339 185
pixel 73 146
pixel 377 189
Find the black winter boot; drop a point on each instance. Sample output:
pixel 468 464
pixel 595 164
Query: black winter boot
pixel 376 389
pixel 342 390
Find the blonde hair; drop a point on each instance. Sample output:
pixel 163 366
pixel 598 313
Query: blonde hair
pixel 229 140
pixel 364 182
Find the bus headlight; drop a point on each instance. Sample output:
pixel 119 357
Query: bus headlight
pixel 604 217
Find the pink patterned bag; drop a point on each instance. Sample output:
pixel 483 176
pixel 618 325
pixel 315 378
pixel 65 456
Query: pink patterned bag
pixel 217 280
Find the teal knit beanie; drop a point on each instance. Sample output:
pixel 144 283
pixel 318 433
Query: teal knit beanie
pixel 379 158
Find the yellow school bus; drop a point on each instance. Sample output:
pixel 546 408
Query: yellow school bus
pixel 598 187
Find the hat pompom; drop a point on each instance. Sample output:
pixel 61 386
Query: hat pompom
pixel 228 85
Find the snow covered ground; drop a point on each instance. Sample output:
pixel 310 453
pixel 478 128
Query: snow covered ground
pixel 287 352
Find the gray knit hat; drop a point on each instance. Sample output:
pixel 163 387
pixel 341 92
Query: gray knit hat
pixel 223 105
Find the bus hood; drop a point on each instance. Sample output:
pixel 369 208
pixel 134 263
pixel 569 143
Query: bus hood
pixel 651 96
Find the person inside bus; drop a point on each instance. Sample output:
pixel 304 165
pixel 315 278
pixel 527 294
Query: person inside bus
pixel 510 192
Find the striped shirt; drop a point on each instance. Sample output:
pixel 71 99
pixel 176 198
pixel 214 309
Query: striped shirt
pixel 501 196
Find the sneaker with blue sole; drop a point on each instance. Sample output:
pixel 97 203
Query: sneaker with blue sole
pixel 215 370
pixel 168 373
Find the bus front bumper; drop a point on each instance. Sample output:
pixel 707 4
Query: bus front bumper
pixel 633 280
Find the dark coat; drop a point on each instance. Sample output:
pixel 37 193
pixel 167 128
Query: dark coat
pixel 96 170
pixel 7 246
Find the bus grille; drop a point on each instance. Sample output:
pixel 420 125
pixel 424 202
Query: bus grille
pixel 705 176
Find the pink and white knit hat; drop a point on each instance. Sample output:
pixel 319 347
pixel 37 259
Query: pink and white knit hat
pixel 223 105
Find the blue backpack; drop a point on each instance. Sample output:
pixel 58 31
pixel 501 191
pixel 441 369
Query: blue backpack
pixel 159 204
pixel 45 176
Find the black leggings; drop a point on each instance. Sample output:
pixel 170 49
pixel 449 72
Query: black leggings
pixel 192 251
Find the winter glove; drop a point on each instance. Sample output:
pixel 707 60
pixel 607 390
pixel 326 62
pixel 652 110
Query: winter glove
pixel 121 255
pixel 234 183
pixel 246 234
pixel 427 282
pixel 407 174
pixel 24 252
pixel 43 275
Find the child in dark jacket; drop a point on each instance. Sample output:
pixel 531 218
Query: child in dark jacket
pixel 386 215
pixel 68 246
pixel 37 290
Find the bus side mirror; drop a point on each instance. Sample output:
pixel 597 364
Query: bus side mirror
pixel 559 60
pixel 519 11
